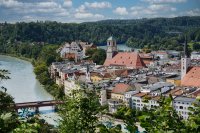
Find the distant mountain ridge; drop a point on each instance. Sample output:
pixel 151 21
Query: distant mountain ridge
pixel 139 30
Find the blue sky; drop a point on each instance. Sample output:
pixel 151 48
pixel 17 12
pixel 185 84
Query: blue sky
pixel 94 10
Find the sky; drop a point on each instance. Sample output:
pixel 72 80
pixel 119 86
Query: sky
pixel 93 10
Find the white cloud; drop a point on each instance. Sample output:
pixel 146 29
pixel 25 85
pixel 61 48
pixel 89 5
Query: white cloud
pixel 98 5
pixel 152 10
pixel 161 7
pixel 194 12
pixel 87 15
pixel 67 3
pixel 121 11
pixel 10 3
pixel 31 8
pixel 164 1
pixel 81 9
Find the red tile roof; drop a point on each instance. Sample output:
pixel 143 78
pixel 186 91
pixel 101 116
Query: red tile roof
pixel 128 59
pixel 141 94
pixel 121 88
pixel 192 78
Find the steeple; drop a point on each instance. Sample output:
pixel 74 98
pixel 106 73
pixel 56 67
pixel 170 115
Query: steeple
pixel 186 53
pixel 185 60
pixel 111 47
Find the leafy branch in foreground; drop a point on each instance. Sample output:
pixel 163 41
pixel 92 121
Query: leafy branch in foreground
pixel 79 112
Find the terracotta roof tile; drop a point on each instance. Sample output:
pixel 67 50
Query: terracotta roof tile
pixel 128 59
pixel 121 88
pixel 141 94
pixel 192 78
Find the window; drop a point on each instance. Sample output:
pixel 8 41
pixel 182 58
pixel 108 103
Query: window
pixel 181 107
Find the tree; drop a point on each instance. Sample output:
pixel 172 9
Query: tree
pixel 8 118
pixel 33 125
pixel 162 119
pixel 79 112
pixel 193 122
pixel 196 46
pixel 97 55
pixel 129 117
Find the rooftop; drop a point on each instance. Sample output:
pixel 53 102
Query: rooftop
pixel 192 78
pixel 141 94
pixel 128 59
pixel 121 88
pixel 184 99
pixel 111 38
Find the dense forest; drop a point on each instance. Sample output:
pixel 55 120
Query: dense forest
pixel 156 33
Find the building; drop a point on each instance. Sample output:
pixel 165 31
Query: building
pixel 114 104
pixel 137 101
pixel 75 50
pixel 130 60
pixel 127 97
pixel 162 55
pixel 119 90
pixel 181 105
pixel 176 81
pixel 185 61
pixel 111 47
pixel 157 88
pixel 195 55
pixel 71 51
pixel 190 75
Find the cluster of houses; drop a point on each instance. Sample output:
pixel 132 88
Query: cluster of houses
pixel 75 51
pixel 127 78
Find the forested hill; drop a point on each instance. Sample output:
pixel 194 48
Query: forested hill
pixel 153 33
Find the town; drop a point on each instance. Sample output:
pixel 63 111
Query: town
pixel 128 77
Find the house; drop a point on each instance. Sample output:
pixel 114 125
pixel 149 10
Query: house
pixel 71 51
pixel 181 104
pixel 137 100
pixel 195 55
pixel 96 77
pixel 157 88
pixel 127 97
pixel 86 46
pixel 176 80
pixel 146 58
pixel 119 90
pixel 162 55
pixel 114 104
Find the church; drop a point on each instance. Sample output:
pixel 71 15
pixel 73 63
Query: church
pixel 190 75
pixel 129 60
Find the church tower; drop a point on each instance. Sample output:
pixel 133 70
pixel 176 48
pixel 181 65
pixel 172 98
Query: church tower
pixel 185 60
pixel 111 47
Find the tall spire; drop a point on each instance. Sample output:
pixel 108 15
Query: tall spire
pixel 186 53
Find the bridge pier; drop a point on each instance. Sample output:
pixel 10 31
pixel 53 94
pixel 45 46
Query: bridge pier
pixel 37 110
pixel 16 110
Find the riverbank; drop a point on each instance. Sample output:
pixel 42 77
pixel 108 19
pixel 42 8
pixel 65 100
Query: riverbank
pixel 53 91
pixel 19 57
pixel 22 85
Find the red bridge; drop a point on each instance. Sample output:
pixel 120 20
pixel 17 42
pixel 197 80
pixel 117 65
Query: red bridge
pixel 36 104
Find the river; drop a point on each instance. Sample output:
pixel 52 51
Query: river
pixel 23 85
